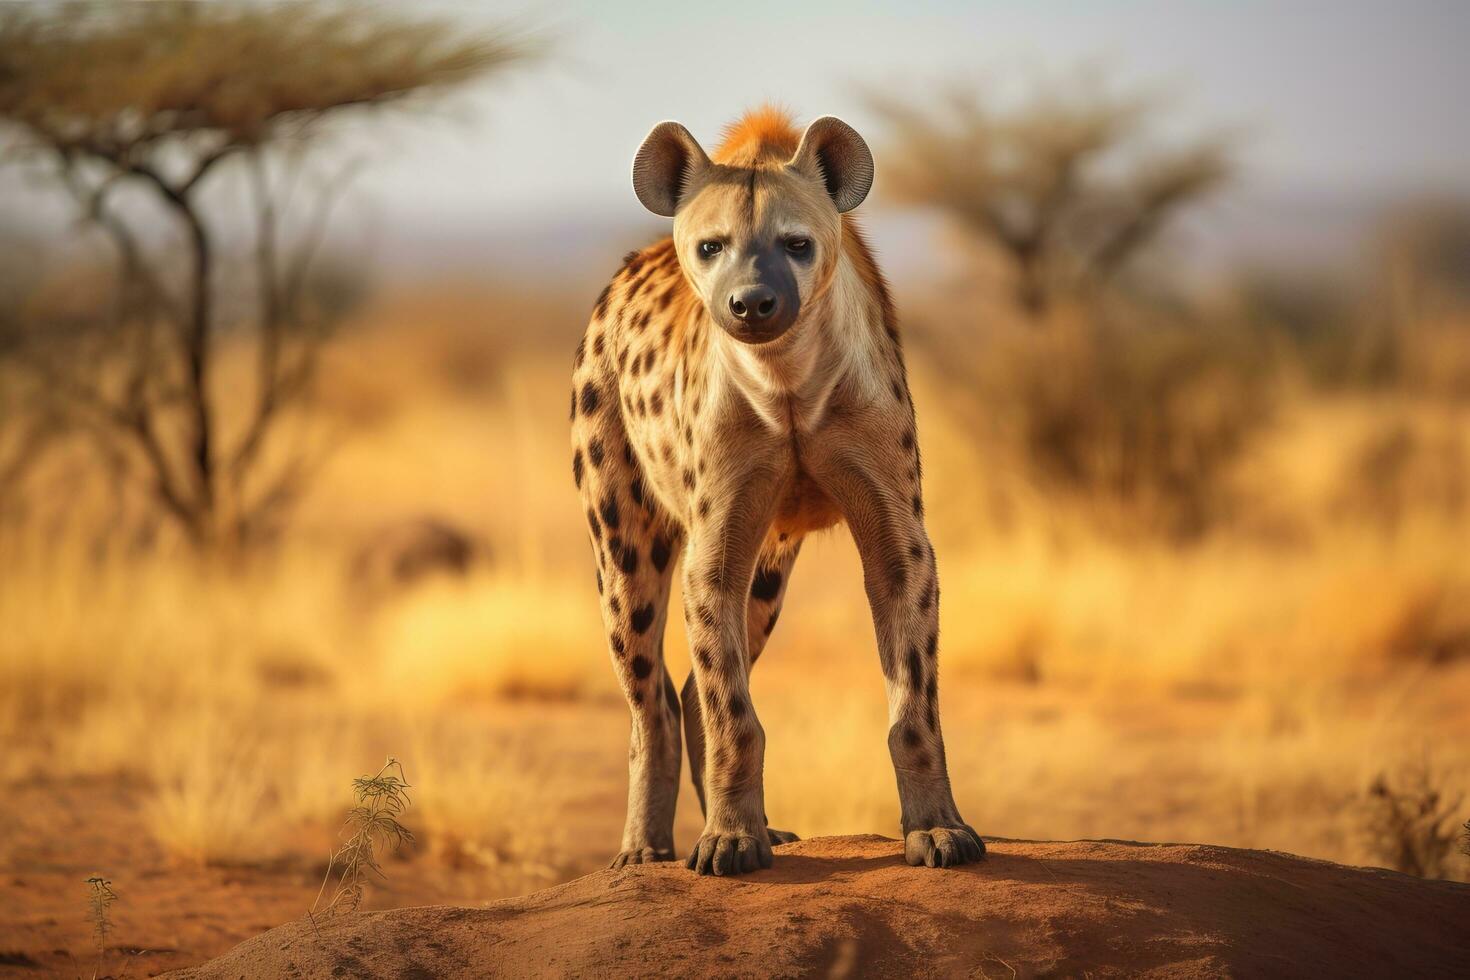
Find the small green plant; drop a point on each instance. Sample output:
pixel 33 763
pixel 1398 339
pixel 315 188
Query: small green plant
pixel 372 827
pixel 100 898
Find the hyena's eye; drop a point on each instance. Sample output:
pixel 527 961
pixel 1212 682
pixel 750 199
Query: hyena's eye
pixel 799 246
pixel 710 249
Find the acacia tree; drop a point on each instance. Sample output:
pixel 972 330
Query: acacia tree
pixel 1064 184
pixel 139 108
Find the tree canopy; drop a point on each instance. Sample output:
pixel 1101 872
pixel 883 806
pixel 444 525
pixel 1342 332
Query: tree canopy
pixel 158 96
pixel 1065 184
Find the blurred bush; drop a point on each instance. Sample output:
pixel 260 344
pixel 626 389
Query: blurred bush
pixel 1140 424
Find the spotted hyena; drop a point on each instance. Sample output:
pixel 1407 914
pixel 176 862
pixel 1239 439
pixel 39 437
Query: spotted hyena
pixel 741 384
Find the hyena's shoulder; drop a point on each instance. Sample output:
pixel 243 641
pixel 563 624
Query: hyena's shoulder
pixel 642 318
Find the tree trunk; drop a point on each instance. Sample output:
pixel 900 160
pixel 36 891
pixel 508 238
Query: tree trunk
pixel 197 349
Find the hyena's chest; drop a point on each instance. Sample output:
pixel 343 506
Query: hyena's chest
pixel 685 429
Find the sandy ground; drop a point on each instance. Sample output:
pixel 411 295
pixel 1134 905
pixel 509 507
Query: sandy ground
pixel 173 914
pixel 840 906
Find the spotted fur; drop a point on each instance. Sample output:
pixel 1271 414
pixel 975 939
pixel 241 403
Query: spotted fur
pixel 697 451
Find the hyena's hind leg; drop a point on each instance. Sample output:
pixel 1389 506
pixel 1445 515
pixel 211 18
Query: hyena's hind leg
pixel 767 592
pixel 634 546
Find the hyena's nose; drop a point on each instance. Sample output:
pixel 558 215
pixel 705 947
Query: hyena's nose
pixel 753 304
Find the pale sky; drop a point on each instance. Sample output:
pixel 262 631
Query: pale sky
pixel 1343 96
pixel 1337 106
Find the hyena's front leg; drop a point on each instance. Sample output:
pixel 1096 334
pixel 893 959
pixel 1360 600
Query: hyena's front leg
pixel 767 590
pixel 719 563
pixel 875 479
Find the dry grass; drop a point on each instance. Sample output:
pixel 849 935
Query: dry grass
pixel 1243 689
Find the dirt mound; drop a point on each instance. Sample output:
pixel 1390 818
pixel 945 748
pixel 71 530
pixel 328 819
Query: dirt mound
pixel 850 906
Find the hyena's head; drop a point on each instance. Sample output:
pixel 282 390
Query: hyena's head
pixel 757 229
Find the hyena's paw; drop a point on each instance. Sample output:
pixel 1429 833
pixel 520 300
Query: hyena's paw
pixel 729 854
pixel 642 855
pixel 943 847
pixel 781 836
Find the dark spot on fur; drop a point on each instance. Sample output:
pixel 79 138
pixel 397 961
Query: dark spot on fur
pixel 642 667
pixel 628 453
pixel 705 658
pixel 610 514
pixel 897 391
pixel 918 506
pixel 649 358
pixel 704 508
pixel 617 644
pixel 908 440
pixel 628 560
pixel 581 353
pixel 911 736
pixel 916 551
pixel 601 309
pixel 659 553
pixel 737 706
pixel 572 415
pixel 577 467
pixel 597 345
pixel 635 490
pixel 595 452
pixel 933 648
pixel 615 603
pixel 594 524
pixel 771 623
pixel 916 670
pixel 599 581
pixel 656 403
pixel 641 619
pixel 766 584
pixel 706 616
pixel 589 398
pixel 688 479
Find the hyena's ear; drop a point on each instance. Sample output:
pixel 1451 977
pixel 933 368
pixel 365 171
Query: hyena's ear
pixel 666 163
pixel 833 152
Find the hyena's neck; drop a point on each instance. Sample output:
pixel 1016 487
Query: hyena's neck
pixel 790 382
